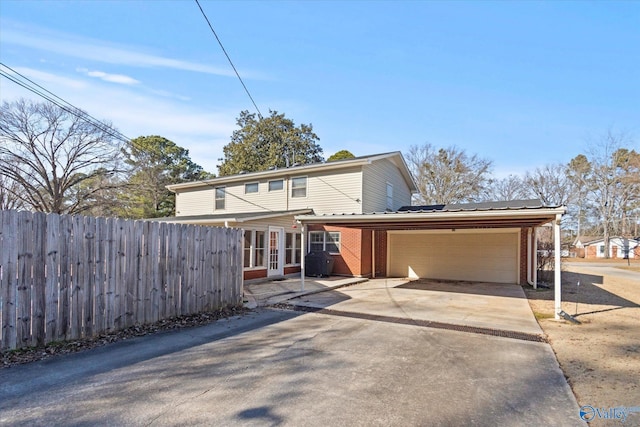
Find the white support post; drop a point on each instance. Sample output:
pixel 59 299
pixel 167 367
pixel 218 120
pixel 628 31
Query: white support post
pixel 302 252
pixel 557 279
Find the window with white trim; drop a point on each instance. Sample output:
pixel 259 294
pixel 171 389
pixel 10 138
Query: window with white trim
pixel 251 187
pixel 293 243
pixel 324 241
pixel 254 248
pixel 220 193
pixel 276 185
pixel 389 196
pixel 259 251
pixel 299 186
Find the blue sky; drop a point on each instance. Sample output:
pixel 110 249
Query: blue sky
pixel 523 84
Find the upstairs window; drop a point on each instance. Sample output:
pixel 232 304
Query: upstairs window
pixel 220 192
pixel 389 196
pixel 299 187
pixel 251 188
pixel 276 185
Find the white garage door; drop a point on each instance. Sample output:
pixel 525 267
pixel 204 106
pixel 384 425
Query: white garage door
pixel 487 256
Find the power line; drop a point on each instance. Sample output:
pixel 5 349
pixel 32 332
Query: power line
pixel 58 101
pixel 228 58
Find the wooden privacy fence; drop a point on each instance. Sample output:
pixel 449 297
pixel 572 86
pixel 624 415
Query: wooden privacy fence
pixel 67 277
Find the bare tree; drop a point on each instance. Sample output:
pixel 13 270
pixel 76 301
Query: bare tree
pixel 51 154
pixel 510 188
pixel 613 185
pixel 10 196
pixel 550 184
pixel 448 175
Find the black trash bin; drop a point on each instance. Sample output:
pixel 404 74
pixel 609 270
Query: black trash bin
pixel 318 264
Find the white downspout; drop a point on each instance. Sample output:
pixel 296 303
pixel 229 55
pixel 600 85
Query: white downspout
pixel 302 252
pixel 557 279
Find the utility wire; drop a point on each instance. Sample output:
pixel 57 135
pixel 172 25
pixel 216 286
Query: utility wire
pixel 228 58
pixel 65 105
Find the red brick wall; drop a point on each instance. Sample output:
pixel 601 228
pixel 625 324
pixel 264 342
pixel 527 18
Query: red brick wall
pixel 381 253
pixel 355 255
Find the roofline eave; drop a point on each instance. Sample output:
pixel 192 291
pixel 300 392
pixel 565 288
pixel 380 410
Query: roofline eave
pixel 548 213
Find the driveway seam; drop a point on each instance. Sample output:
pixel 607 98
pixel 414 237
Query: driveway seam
pixel 523 336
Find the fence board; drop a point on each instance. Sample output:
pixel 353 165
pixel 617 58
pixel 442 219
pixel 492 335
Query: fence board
pixel 161 294
pixel 65 282
pixel 100 242
pixel 120 296
pixel 112 259
pixel 88 276
pixel 9 259
pixel 23 295
pixel 77 272
pixel 38 290
pixel 52 271
pixel 183 270
pixel 66 277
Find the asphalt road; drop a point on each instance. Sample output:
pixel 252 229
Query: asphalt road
pixel 603 269
pixel 284 368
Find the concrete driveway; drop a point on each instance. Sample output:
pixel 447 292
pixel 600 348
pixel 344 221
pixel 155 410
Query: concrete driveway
pixel 275 367
pixel 490 306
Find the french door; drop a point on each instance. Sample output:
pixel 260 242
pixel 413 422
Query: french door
pixel 275 260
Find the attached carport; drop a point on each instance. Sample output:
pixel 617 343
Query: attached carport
pixel 476 241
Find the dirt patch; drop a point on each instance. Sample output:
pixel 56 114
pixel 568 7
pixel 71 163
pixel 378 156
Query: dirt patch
pixel 601 356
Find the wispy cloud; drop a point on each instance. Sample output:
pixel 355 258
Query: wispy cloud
pixel 111 78
pixel 100 51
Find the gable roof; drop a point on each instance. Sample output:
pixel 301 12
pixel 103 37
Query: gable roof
pixel 394 156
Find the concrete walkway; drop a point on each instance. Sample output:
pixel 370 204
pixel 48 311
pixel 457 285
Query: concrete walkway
pixel 263 293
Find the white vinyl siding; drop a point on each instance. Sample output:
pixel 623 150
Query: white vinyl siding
pixel 490 256
pixel 197 202
pixel 336 191
pixel 351 189
pixel 375 178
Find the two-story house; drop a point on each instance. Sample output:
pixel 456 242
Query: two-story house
pixel 265 204
pixel 359 210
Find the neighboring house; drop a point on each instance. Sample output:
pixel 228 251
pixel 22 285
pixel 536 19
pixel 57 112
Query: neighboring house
pixel 265 204
pixel 619 247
